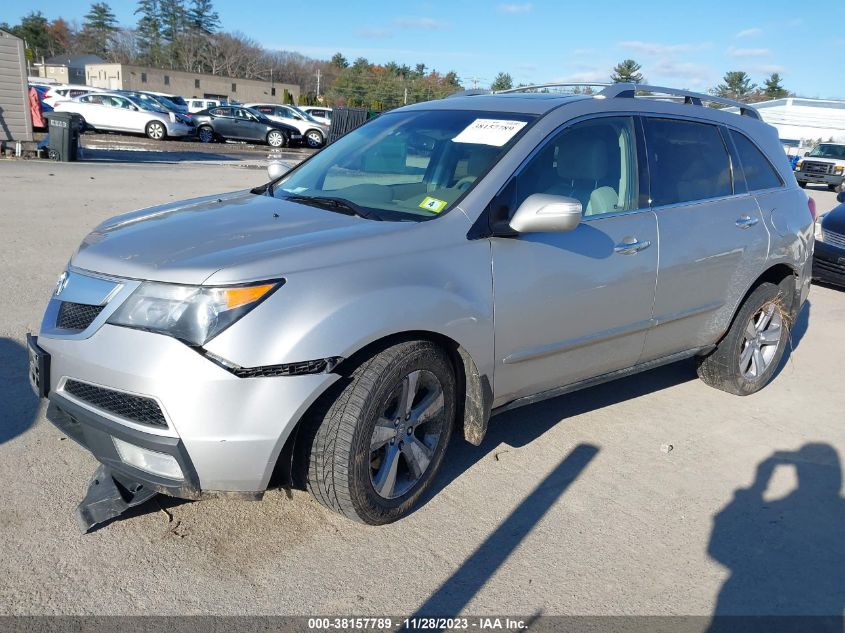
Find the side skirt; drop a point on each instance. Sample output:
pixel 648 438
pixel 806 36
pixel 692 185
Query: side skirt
pixel 598 380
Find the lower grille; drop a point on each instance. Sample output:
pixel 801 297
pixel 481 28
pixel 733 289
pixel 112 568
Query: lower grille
pixel 77 316
pixel 136 408
pixel 828 266
pixel 833 238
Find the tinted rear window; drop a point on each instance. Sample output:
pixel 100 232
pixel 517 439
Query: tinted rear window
pixel 687 161
pixel 759 173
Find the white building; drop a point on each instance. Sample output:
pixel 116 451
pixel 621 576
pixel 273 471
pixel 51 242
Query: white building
pixel 804 121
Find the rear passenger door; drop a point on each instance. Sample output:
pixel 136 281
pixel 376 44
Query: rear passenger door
pixel 575 305
pixel 712 238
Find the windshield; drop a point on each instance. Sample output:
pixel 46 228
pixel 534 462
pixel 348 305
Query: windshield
pixel 305 115
pixel 828 151
pixel 407 165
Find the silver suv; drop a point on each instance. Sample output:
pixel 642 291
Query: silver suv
pixel 445 262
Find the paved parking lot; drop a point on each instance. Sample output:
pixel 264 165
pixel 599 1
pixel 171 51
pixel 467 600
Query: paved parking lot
pixel 652 495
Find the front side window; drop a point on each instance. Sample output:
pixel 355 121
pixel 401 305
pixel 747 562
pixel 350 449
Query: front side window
pixel 759 173
pixel 687 161
pixel 406 165
pixel 592 161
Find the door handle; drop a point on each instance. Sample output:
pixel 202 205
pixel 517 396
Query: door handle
pixel 631 246
pixel 746 222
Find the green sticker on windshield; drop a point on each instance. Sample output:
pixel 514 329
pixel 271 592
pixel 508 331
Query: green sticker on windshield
pixel 433 204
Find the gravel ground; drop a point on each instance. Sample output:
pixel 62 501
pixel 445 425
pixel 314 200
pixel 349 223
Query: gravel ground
pixel 600 502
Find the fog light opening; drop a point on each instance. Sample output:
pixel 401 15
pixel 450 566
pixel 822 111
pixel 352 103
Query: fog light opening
pixel 147 460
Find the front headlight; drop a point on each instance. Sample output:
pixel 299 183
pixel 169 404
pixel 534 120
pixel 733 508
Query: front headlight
pixel 194 314
pixel 817 228
pixel 798 165
pixel 838 169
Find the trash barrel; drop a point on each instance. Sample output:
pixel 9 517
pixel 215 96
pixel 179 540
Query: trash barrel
pixel 64 130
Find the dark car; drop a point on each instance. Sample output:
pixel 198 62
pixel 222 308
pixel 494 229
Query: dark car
pixel 238 123
pixel 829 256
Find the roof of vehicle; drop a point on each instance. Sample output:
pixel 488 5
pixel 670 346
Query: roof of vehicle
pixel 542 98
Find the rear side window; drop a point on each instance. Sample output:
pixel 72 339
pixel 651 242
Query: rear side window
pixel 688 161
pixel 759 173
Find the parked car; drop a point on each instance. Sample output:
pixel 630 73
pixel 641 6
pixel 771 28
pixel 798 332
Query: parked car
pixel 313 132
pixel 65 92
pixel 179 104
pixel 320 113
pixel 239 123
pixel 338 322
pixel 157 103
pixel 119 112
pixel 825 164
pixel 829 253
pixel 198 105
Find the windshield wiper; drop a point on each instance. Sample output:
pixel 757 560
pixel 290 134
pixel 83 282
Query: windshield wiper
pixel 338 205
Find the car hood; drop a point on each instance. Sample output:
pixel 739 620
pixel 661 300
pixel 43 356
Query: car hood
pixel 187 242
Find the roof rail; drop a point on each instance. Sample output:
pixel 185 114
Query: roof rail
pixel 577 84
pixel 616 91
pixel 468 93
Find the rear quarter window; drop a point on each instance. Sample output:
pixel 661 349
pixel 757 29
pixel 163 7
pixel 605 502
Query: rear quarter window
pixel 687 161
pixel 759 173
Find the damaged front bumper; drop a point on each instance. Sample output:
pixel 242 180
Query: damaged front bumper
pixel 117 486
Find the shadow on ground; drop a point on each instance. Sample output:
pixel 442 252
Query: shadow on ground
pixel 150 156
pixel 786 556
pixel 18 402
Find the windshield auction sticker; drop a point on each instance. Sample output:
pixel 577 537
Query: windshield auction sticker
pixel 489 132
pixel 435 205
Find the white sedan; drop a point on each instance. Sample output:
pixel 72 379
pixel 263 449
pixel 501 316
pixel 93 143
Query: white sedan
pixel 116 112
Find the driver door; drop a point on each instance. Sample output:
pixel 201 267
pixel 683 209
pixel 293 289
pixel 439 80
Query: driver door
pixel 575 305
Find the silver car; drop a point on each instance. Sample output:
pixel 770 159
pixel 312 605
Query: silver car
pixel 445 262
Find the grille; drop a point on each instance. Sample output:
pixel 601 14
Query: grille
pixel 833 238
pixel 77 316
pixel 831 267
pixel 816 168
pixel 136 408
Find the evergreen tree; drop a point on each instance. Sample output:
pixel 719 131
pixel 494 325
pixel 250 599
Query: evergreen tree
pixel 174 18
pixel 33 30
pixel 149 31
pixel 736 85
pixel 503 81
pixel 773 88
pixel 339 61
pixel 203 17
pixel 98 26
pixel 627 72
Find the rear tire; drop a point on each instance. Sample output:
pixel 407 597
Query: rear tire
pixel 156 131
pixel 803 185
pixel 833 188
pixel 372 451
pixel 747 357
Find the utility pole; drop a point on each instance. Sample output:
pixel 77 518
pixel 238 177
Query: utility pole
pixel 319 73
pixel 406 95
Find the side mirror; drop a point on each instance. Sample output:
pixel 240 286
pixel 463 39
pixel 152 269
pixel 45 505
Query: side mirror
pixel 806 153
pixel 545 213
pixel 840 197
pixel 276 170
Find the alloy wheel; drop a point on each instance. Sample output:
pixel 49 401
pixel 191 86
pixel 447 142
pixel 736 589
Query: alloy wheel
pixel 156 131
pixel 206 135
pixel 761 340
pixel 406 434
pixel 275 139
pixel 314 138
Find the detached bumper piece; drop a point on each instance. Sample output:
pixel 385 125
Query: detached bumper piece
pixel 108 497
pixel 119 485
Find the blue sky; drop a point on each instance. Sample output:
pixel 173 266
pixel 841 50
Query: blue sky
pixel 679 44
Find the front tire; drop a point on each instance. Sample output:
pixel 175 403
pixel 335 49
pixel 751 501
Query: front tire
pixel 376 448
pixel 206 134
pixel 156 131
pixel 275 138
pixel 314 139
pixel 802 184
pixel 748 356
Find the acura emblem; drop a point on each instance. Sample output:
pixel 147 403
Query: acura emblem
pixel 61 283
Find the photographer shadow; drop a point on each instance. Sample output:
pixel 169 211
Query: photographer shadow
pixel 786 556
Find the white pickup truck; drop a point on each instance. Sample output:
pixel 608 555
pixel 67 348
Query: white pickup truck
pixel 824 165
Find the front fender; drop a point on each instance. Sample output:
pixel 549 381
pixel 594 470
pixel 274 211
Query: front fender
pixel 337 311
